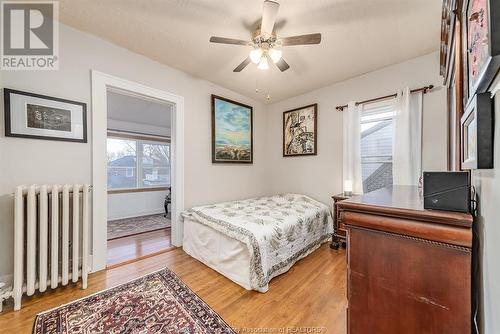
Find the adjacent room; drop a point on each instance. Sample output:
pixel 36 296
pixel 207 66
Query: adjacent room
pixel 138 177
pixel 265 166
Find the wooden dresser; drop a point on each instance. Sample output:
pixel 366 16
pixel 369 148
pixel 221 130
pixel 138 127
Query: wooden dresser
pixel 409 269
pixel 339 231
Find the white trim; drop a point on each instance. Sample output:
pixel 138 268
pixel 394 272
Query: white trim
pixel 138 214
pixel 124 134
pixel 101 83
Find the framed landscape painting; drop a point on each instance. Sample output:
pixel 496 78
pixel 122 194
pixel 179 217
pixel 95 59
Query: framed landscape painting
pixel 300 131
pixel 232 136
pixel 29 115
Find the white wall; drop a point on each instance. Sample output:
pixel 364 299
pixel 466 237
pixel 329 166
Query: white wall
pixel 24 161
pixel 128 205
pixel 487 183
pixel 320 176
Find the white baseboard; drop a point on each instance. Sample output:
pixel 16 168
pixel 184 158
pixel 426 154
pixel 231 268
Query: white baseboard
pixel 138 214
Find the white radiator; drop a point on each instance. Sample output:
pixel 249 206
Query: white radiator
pixel 51 238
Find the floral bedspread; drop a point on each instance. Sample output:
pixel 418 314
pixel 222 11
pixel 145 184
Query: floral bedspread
pixel 278 230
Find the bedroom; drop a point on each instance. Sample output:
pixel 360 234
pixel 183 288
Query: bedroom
pixel 366 51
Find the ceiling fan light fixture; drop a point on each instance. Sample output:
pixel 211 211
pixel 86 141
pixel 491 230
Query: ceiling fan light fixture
pixel 275 55
pixel 256 55
pixel 265 47
pixel 263 64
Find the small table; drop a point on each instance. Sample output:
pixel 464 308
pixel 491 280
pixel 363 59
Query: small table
pixel 168 200
pixel 339 230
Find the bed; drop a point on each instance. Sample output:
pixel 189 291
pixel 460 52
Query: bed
pixel 251 241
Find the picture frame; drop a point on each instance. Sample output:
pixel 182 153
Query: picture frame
pixel 36 116
pixel 300 131
pixel 481 45
pixel 451 68
pixel 477 129
pixel 454 101
pixel 232 131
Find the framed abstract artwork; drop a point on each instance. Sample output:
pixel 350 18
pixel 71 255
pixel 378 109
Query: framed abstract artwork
pixel 300 132
pixel 477 133
pixel 232 133
pixel 481 44
pixel 36 116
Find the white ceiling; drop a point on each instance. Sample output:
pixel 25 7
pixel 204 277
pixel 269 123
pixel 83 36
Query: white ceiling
pixel 136 110
pixel 359 36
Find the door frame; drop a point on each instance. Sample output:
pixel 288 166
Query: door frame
pixel 101 84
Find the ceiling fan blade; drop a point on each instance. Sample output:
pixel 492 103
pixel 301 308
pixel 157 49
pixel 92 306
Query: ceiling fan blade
pixel 269 14
pixel 301 40
pixel 223 40
pixel 241 66
pixel 282 65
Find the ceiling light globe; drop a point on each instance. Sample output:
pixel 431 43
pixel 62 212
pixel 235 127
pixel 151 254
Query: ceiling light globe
pixel 275 55
pixel 263 65
pixel 255 55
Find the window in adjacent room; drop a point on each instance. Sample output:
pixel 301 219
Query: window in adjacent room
pixel 155 169
pixel 376 144
pixel 137 163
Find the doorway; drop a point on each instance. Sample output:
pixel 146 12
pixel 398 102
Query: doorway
pixel 137 193
pixel 138 177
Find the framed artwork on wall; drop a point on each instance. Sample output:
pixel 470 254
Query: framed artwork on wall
pixel 29 115
pixel 477 130
pixel 451 68
pixel 232 132
pixel 300 131
pixel 481 47
pixel 453 126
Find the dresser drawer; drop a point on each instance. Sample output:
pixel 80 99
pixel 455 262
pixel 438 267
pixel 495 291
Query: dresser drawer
pixel 398 285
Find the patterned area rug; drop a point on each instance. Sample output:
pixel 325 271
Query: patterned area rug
pixel 157 303
pixel 129 226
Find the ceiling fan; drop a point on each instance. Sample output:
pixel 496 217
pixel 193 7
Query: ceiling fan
pixel 265 45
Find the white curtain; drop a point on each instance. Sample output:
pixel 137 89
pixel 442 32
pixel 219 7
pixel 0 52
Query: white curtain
pixel 407 142
pixel 352 148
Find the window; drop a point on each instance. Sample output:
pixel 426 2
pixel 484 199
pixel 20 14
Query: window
pixel 376 144
pixel 155 169
pixel 137 163
pixel 122 163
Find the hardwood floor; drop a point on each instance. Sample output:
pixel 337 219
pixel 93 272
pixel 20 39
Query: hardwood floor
pixel 312 295
pixel 137 246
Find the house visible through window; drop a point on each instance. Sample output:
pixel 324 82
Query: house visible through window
pixel 134 163
pixel 130 172
pixel 376 144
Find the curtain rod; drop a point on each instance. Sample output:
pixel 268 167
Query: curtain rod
pixel 424 89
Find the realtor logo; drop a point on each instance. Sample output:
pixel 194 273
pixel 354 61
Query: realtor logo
pixel 30 35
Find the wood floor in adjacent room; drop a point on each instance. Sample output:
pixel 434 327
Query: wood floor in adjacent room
pixel 312 295
pixel 135 246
